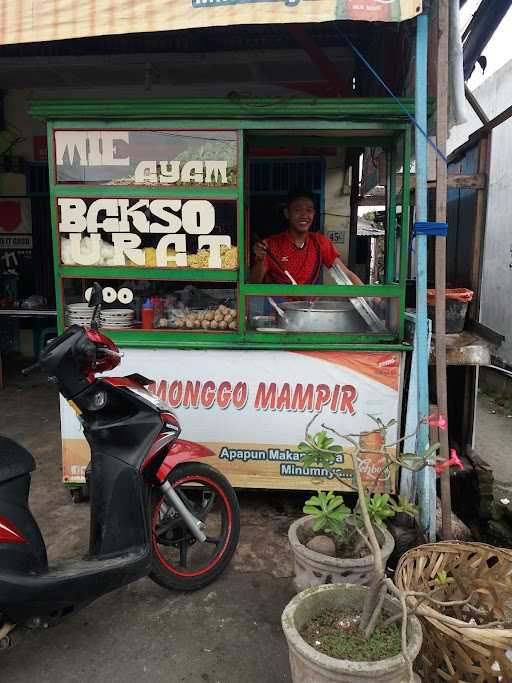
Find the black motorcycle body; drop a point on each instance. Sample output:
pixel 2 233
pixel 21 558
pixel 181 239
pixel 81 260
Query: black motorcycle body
pixel 134 446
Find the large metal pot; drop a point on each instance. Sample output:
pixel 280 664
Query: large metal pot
pixel 321 316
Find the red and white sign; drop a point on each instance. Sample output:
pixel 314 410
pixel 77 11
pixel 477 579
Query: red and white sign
pixel 15 216
pixel 252 407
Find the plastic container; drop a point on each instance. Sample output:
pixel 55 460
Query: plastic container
pixel 148 315
pixel 457 302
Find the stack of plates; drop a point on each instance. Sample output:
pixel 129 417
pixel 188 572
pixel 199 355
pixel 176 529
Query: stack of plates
pixel 117 318
pixel 78 314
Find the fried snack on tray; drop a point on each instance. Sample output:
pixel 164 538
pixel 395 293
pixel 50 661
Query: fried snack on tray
pixel 228 255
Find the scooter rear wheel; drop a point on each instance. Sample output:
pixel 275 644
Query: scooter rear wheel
pixel 180 562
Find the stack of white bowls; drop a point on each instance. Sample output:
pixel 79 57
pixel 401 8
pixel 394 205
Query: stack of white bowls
pixel 117 318
pixel 79 314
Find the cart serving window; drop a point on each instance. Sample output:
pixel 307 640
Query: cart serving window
pixel 225 233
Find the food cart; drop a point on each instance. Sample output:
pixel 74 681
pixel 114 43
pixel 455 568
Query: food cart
pixel 155 200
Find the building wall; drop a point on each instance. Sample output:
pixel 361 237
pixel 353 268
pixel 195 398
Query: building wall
pixel 18 125
pixel 337 202
pixel 495 95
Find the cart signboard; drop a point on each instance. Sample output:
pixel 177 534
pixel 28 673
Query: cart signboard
pixel 25 21
pixel 251 409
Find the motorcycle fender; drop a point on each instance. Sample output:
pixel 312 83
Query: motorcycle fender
pixel 182 451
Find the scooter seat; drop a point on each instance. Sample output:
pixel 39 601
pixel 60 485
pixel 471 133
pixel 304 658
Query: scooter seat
pixel 15 461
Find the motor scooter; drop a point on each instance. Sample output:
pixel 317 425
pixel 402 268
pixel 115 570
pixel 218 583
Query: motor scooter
pixel 156 509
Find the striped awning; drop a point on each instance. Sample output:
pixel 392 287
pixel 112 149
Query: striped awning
pixel 29 21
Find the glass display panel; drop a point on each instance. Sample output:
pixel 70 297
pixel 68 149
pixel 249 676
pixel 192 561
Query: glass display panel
pixel 154 304
pixel 156 158
pixel 151 232
pixel 338 315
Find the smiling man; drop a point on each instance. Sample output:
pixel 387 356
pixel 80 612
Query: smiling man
pixel 300 252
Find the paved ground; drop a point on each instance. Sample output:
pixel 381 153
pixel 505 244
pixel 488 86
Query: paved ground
pixel 493 435
pixel 227 633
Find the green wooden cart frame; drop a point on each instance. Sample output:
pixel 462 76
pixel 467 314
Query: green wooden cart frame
pixel 362 122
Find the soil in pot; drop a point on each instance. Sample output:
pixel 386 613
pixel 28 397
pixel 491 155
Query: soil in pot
pixel 335 632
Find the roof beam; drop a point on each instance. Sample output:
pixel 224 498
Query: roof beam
pixel 480 30
pixel 475 105
pixel 318 57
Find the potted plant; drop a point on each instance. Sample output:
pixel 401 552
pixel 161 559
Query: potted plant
pixel 329 544
pixel 346 632
pixel 311 621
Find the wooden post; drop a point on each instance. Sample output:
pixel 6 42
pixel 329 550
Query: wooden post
pixel 440 260
pixel 354 205
pixel 484 154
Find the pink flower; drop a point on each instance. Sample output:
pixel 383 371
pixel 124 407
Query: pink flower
pixel 437 421
pixel 453 460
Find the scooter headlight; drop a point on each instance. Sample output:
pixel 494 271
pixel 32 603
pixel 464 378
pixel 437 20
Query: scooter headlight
pixel 95 400
pixel 171 424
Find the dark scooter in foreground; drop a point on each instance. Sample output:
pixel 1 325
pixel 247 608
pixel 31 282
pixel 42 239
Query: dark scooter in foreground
pixel 156 510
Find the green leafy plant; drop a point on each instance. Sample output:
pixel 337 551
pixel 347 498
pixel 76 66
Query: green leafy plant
pixel 443 578
pixel 322 444
pixel 329 511
pixel 380 508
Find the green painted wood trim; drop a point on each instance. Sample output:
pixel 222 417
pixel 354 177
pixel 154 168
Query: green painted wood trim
pixel 366 125
pixel 320 141
pixel 241 234
pixel 127 273
pixel 323 290
pixel 182 340
pixel 142 191
pixel 55 237
pixel 317 338
pixel 379 108
pixel 391 218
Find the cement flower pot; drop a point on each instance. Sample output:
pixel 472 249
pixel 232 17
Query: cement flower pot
pixel 315 569
pixel 308 665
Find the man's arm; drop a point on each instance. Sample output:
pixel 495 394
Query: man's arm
pixel 352 276
pixel 259 268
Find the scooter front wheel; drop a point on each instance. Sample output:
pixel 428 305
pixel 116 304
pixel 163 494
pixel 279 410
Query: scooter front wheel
pixel 180 562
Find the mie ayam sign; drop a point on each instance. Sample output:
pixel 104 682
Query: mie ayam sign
pixel 125 220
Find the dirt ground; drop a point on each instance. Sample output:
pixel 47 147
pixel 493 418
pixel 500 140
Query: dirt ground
pixel 226 633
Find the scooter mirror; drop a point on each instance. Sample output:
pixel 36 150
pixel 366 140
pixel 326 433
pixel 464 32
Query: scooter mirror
pixel 95 300
pixel 96 295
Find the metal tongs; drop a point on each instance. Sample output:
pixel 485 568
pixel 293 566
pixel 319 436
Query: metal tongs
pixel 359 303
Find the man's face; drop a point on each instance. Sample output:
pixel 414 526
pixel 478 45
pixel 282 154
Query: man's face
pixel 300 214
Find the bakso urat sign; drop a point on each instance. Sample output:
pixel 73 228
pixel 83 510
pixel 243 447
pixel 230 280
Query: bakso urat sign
pixel 127 220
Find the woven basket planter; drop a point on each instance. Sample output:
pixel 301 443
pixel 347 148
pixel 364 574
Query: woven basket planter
pixel 315 569
pixel 452 650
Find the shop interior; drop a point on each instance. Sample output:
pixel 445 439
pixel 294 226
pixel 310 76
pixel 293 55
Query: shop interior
pixel 27 285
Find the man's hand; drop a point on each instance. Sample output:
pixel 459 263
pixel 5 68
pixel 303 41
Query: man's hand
pixel 260 251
